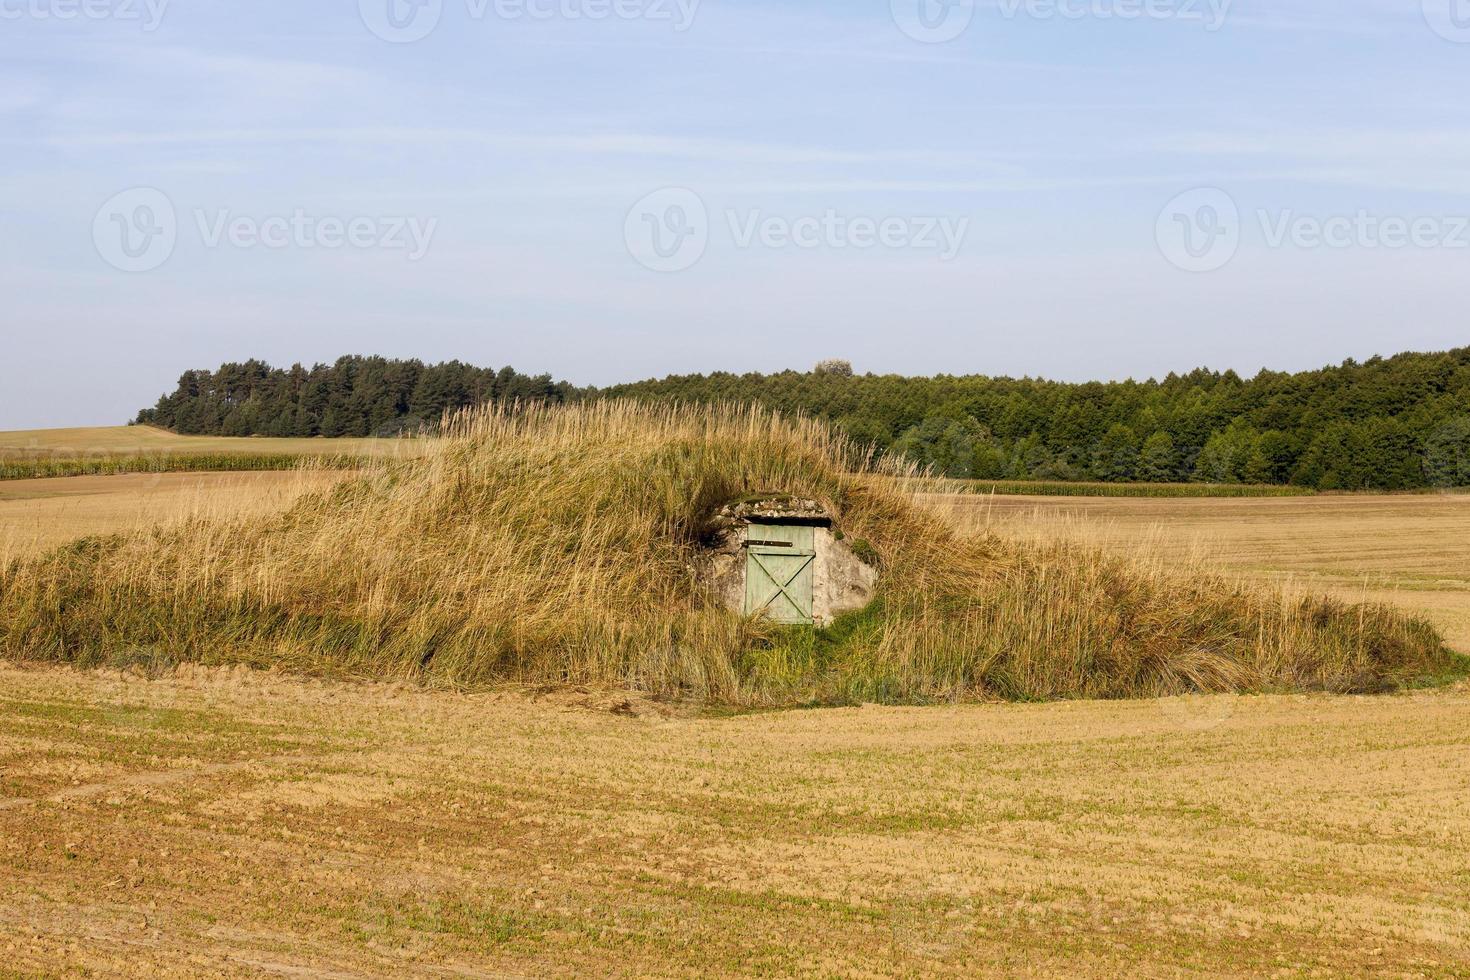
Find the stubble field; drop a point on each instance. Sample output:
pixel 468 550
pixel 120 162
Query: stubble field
pixel 241 824
pixel 233 823
pixel 37 515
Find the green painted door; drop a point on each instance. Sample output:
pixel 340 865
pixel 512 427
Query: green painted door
pixel 779 572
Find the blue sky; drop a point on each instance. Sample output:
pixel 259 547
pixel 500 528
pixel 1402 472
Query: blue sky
pixel 518 141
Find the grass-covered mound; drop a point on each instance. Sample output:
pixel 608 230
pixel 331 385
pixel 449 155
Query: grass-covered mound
pixel 558 545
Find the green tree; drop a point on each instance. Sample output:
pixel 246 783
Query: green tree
pixel 1158 461
pixel 1447 454
pixel 1116 456
pixel 1226 455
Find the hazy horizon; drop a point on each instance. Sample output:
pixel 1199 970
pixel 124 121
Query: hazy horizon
pixel 614 190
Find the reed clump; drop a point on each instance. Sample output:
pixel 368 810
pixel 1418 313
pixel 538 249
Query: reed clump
pixel 557 545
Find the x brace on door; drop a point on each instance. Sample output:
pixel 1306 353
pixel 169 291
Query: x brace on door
pixel 783 588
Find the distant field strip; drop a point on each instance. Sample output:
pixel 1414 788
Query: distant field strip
pixel 126 439
pixel 105 451
pixel 42 468
pixel 37 515
pixel 1065 489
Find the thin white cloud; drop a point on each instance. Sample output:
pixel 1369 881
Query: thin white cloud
pixel 588 144
pixel 1319 143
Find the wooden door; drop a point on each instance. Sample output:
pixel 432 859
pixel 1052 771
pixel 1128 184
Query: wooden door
pixel 780 572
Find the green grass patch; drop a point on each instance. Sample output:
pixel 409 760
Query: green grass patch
pixel 398 921
pixel 1456 671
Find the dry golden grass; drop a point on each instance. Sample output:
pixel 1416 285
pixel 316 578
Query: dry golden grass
pixel 229 824
pixel 558 545
pixel 1412 551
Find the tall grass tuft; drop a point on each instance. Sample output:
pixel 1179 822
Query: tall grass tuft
pixel 557 545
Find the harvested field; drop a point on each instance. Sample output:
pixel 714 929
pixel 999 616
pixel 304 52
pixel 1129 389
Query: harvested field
pixel 1409 550
pixel 36 515
pixel 103 451
pixel 229 823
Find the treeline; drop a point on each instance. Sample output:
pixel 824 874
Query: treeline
pixel 1398 423
pixel 355 396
